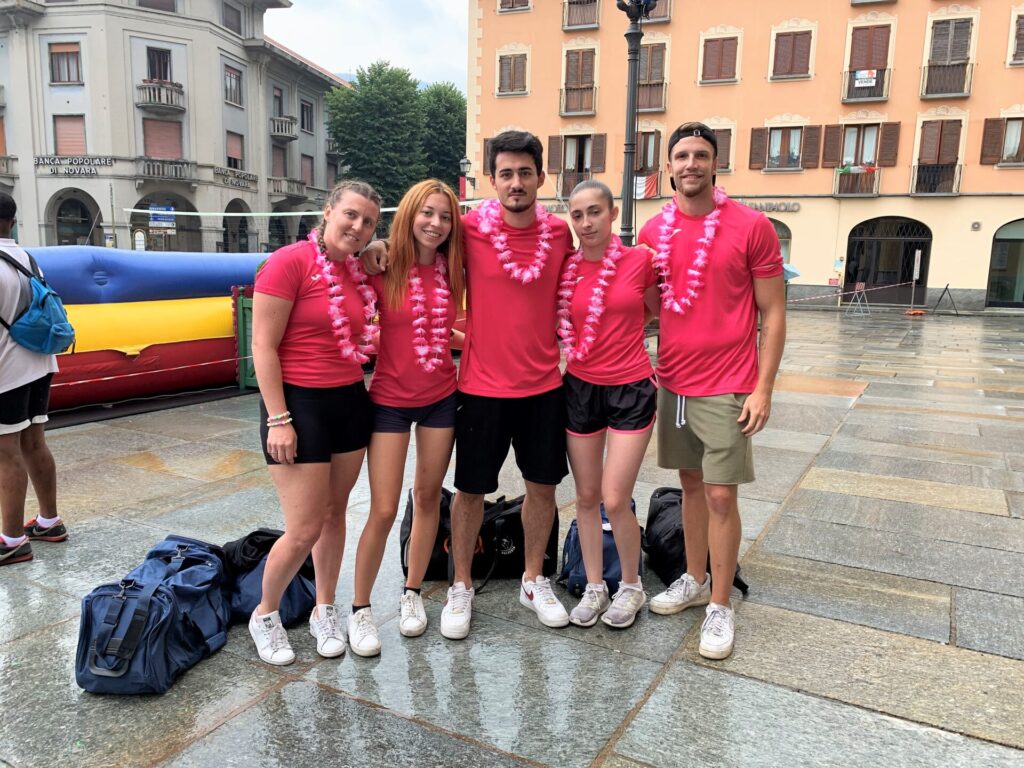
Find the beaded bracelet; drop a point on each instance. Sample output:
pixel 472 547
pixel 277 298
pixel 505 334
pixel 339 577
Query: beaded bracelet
pixel 279 423
pixel 279 416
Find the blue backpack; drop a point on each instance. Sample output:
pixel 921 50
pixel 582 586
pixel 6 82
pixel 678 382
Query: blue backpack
pixel 573 575
pixel 166 615
pixel 43 327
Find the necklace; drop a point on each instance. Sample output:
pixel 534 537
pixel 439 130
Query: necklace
pixel 340 324
pixel 579 349
pixel 491 225
pixel 661 259
pixel 437 344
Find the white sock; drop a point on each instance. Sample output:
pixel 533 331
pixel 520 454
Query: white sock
pixel 599 586
pixel 15 542
pixel 47 522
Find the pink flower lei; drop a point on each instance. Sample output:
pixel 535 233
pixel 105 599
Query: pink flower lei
pixel 579 349
pixel 357 353
pixel 661 259
pixel 430 351
pixel 491 225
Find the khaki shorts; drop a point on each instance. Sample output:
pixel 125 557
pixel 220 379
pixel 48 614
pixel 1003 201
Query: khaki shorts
pixel 710 439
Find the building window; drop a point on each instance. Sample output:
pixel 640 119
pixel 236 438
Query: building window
pixel 232 18
pixel 3 138
pixel 792 54
pixel 278 162
pixel 580 13
pixel 1001 141
pixel 513 5
pixel 578 97
pixel 867 75
pixel 576 158
pixel 1018 41
pixel 332 175
pixel 938 157
pixel 948 72
pixel 784 147
pixel 651 87
pixel 306 116
pixel 662 11
pixel 648 152
pixel 719 62
pixel 277 102
pixel 160 5
pixel 161 139
pixel 65 64
pixel 233 86
pixel 235 151
pixel 69 135
pixel 723 161
pixel 307 170
pixel 158 64
pixel 512 73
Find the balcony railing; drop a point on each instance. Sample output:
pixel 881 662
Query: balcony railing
pixel 175 170
pixel 939 179
pixel 317 195
pixel 578 101
pixel 160 97
pixel 282 187
pixel 650 97
pixel 578 14
pixel 866 84
pixel 854 184
pixel 570 179
pixel 284 128
pixel 332 147
pixel 945 80
pixel 7 165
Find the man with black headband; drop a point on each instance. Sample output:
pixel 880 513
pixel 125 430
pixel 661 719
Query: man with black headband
pixel 719 266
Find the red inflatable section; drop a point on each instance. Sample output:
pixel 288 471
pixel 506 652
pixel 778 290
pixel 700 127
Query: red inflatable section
pixel 158 369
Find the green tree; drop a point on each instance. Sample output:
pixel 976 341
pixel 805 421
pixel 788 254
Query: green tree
pixel 444 131
pixel 378 126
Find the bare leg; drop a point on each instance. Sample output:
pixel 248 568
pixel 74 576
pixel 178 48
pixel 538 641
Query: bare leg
pixel 538 515
pixel 13 486
pixel 586 455
pixel 467 517
pixel 41 468
pixel 330 546
pixel 387 456
pixel 625 454
pixel 695 523
pixel 433 454
pixel 724 532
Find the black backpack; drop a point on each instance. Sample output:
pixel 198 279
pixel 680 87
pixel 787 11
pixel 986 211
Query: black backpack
pixel 663 539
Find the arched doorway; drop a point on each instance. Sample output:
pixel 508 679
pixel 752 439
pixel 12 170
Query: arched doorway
pixel 166 231
pixel 74 218
pixel 236 228
pixel 881 254
pixel 1006 269
pixel 307 224
pixel 785 238
pixel 278 232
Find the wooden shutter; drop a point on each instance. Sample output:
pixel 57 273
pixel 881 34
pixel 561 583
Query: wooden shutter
pixel 879 57
pixel 928 153
pixel 869 47
pixel 657 150
pixel 888 144
pixel 162 139
pixel 597 152
pixel 307 170
pixel 652 63
pixel 278 162
pixel 949 142
pixel 811 147
pixel 519 73
pixel 992 140
pixel 960 44
pixel 730 45
pixel 783 64
pixel 1018 48
pixel 712 69
pixel 488 171
pixel 940 42
pixel 801 53
pixel 3 138
pixel 758 148
pixel 724 136
pixel 504 74
pixel 64 48
pixel 236 146
pixel 587 67
pixel 554 154
pixel 69 134
pixel 951 41
pixel 572 68
pixel 832 151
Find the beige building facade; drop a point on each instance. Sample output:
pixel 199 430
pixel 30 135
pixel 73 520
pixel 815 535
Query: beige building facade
pixel 115 116
pixel 879 136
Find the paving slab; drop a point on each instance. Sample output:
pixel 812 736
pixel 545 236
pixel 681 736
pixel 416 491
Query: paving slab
pixel 922 469
pixel 790 440
pixel 777 472
pixel 989 622
pixel 804 417
pixel 729 720
pixel 27 606
pixel 955 689
pixel 181 426
pixel 854 445
pixel 100 442
pixel 901 418
pixel 821 385
pixel 200 461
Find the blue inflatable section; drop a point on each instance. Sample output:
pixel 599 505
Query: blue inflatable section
pixel 86 274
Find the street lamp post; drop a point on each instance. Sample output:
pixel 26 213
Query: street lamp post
pixel 635 10
pixel 464 166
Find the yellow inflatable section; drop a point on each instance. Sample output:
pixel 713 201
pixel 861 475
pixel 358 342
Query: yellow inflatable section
pixel 130 327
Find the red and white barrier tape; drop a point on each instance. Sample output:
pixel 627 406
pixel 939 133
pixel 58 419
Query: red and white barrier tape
pixel 148 373
pixel 845 293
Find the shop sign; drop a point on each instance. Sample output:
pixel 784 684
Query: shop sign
pixel 162 217
pixel 230 177
pixel 73 165
pixel 773 207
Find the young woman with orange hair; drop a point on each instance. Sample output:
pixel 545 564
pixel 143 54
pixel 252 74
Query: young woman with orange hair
pixel 414 382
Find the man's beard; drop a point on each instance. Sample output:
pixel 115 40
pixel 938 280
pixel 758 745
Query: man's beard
pixel 518 205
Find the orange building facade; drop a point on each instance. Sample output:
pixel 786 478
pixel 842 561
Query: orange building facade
pixel 880 137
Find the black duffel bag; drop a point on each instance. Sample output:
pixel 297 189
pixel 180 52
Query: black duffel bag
pixel 245 559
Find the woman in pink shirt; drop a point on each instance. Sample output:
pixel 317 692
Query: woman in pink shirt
pixel 313 312
pixel 610 396
pixel 413 382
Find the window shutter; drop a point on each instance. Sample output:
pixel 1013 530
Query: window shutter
pixel 506 5
pixel 519 73
pixel 162 139
pixel 783 54
pixel 3 138
pixel 832 151
pixel 811 148
pixel 992 140
pixel 504 74
pixel 724 136
pixel 587 67
pixel 658 63
pixel 730 46
pixel 928 154
pixel 1018 49
pixel 488 171
pixel 960 46
pixel 645 63
pixel 597 152
pixel 554 154
pixel 879 58
pixel 572 69
pixel 712 60
pixel 278 163
pixel 69 134
pixel 940 42
pixel 758 148
pixel 657 149
pixel 860 48
pixel 307 170
pixel 888 144
pixel 802 53
pixel 949 143
pixel 64 48
pixel 235 146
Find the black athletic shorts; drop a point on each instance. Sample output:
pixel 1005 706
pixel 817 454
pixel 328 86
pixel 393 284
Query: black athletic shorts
pixel 438 415
pixel 593 408
pixel 25 405
pixel 485 427
pixel 327 420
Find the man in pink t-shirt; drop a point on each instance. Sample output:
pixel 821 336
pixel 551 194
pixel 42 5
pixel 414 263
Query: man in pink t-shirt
pixel 719 266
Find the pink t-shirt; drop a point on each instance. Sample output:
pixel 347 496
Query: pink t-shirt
pixel 712 349
pixel 618 355
pixel 398 380
pixel 511 347
pixel 309 350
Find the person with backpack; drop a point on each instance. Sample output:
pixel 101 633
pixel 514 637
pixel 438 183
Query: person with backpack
pixel 610 396
pixel 719 266
pixel 25 377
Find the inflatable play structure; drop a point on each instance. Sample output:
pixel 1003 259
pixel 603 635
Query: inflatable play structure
pixel 146 322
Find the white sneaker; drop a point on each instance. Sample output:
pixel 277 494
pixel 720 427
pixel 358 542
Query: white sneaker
pixel 590 607
pixel 330 642
pixel 271 639
pixel 412 619
pixel 457 612
pixel 626 603
pixel 363 638
pixel 540 598
pixel 717 632
pixel 682 593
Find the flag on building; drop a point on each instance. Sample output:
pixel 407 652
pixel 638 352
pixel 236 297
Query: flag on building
pixel 858 169
pixel 646 186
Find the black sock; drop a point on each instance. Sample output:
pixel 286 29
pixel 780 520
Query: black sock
pixel 411 589
pixel 359 607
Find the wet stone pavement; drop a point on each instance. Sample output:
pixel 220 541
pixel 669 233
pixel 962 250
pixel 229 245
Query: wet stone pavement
pixel 883 542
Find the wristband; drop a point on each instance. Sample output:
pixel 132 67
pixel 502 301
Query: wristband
pixel 279 416
pixel 279 423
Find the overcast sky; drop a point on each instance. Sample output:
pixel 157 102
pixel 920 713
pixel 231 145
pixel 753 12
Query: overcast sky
pixel 427 37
